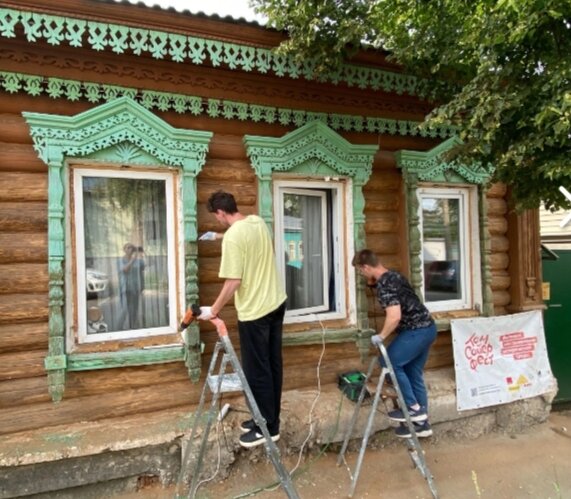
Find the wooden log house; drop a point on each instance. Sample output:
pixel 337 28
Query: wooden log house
pixel 117 121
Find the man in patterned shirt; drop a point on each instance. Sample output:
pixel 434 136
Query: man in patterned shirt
pixel 415 331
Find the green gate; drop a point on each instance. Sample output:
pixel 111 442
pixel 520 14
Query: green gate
pixel 558 320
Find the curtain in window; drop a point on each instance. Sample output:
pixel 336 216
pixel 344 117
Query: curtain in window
pixel 303 226
pixel 126 255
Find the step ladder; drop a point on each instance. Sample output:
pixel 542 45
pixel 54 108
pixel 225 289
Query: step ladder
pixel 414 449
pixel 228 382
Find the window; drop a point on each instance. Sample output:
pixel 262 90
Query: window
pixel 450 247
pixel 124 255
pixel 308 216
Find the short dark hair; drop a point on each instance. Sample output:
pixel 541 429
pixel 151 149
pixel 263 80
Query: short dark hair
pixel 365 257
pixel 221 200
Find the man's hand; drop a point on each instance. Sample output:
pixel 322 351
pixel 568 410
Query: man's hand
pixel 206 314
pixel 376 340
pixel 208 236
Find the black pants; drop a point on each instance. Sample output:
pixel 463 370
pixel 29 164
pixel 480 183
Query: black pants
pixel 261 352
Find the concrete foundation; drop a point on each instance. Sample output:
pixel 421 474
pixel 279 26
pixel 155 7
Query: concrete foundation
pixel 107 457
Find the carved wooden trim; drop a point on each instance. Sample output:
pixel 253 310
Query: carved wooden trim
pixel 119 132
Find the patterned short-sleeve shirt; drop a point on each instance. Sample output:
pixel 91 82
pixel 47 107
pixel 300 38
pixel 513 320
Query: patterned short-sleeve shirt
pixel 394 289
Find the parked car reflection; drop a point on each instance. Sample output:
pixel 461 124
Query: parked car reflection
pixel 96 283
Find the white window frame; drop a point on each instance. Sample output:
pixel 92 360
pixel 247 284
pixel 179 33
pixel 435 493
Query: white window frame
pixel 341 212
pixel 470 268
pixel 79 304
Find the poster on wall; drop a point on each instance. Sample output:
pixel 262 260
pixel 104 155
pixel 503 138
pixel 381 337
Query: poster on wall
pixel 500 359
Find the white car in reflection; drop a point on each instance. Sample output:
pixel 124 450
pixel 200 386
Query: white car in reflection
pixel 96 282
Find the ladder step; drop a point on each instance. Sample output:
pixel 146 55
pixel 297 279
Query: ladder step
pixel 230 383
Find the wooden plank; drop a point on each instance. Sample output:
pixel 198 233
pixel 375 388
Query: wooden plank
pixel 23 337
pixel 501 280
pixel 23 278
pixel 35 248
pixel 499 261
pixel 227 170
pixel 23 217
pixel 23 308
pixel 20 365
pixel 501 298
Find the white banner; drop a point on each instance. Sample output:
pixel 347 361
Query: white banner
pixel 500 359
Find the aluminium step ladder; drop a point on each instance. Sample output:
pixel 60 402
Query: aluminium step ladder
pixel 229 382
pixel 414 449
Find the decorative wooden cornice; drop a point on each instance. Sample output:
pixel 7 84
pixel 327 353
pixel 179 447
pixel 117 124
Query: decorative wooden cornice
pixel 210 82
pixel 181 48
pixel 74 90
pixel 120 132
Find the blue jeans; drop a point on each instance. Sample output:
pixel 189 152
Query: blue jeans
pixel 408 353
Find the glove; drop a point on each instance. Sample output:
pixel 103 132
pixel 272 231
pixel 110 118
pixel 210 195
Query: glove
pixel 376 340
pixel 208 236
pixel 205 314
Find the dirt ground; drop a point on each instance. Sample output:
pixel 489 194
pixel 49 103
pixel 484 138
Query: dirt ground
pixel 535 464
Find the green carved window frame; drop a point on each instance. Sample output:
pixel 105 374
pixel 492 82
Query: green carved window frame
pixel 314 151
pixel 431 168
pixel 120 132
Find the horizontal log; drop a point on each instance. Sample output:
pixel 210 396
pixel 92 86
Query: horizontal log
pixel 12 250
pixel 501 298
pixel 497 206
pixel 20 392
pixel 497 190
pixel 227 147
pixel 500 310
pixel 499 243
pixel 385 201
pixel 382 222
pixel 18 365
pixel 27 187
pixel 20 158
pixel 384 244
pixel 24 217
pixel 25 278
pixel 499 261
pixel 92 408
pixel 23 308
pixel 207 221
pixel 227 170
pixel 383 180
pixel 14 129
pixel 501 282
pixel 209 249
pixel 497 225
pixel 23 337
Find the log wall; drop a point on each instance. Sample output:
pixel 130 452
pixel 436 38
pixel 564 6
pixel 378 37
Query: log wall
pixel 91 395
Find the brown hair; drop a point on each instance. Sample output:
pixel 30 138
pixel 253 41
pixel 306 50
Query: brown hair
pixel 365 257
pixel 221 200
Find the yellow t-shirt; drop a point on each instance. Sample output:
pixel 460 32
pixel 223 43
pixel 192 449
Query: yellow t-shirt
pixel 248 254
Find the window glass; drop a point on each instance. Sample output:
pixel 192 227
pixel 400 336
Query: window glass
pixel 124 256
pixel 309 251
pixel 441 248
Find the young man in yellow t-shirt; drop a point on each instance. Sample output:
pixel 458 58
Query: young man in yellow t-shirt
pixel 248 266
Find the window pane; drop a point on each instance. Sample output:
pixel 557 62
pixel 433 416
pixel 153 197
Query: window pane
pixel 304 255
pixel 126 255
pixel 441 248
